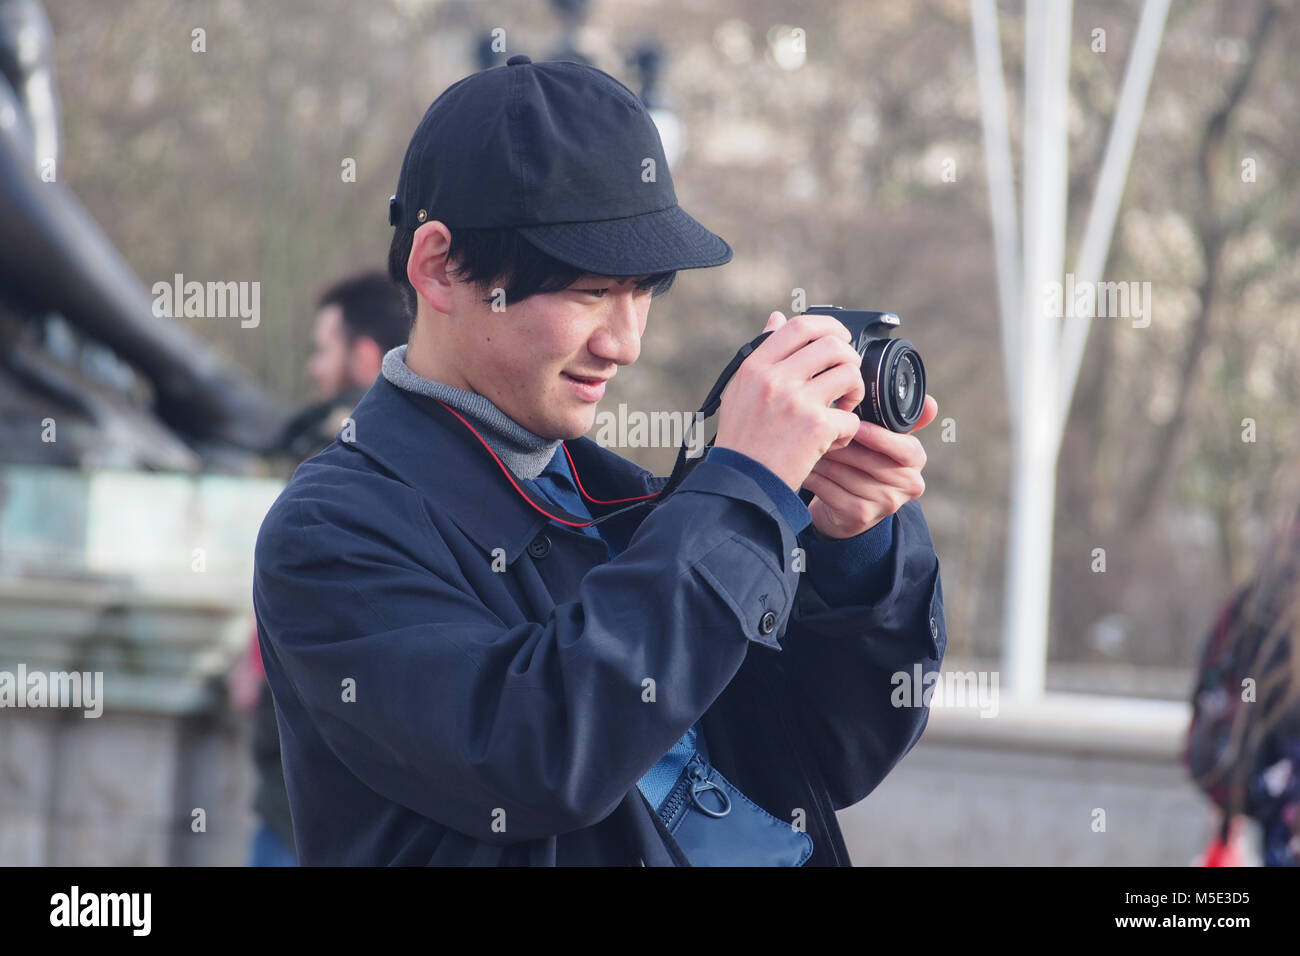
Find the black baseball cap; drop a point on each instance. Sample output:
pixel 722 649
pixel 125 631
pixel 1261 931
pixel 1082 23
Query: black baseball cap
pixel 564 153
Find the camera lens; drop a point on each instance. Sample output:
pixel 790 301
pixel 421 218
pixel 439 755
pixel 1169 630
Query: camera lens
pixel 895 379
pixel 905 379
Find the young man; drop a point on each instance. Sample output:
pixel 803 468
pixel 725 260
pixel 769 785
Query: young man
pixel 465 670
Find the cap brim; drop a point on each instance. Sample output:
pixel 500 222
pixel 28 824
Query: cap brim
pixel 662 241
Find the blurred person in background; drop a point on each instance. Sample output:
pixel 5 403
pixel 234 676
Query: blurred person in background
pixel 1243 745
pixel 358 319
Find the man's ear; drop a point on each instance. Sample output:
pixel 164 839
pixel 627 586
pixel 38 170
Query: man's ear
pixel 426 267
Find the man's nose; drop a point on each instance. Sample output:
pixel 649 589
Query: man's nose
pixel 619 337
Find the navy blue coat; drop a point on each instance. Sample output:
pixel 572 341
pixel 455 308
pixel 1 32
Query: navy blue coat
pixel 433 710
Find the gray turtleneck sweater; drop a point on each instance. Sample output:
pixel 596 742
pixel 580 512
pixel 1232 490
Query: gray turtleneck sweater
pixel 524 453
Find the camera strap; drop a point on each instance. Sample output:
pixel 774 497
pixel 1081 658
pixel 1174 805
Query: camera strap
pixel 552 511
pixel 681 468
pixel 712 403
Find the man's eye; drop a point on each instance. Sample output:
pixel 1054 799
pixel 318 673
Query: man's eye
pixel 596 292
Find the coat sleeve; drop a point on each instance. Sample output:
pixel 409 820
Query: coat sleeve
pixel 511 732
pixel 846 667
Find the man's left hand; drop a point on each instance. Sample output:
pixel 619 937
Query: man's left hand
pixel 866 481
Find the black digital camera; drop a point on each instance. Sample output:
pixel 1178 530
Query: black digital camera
pixel 891 371
pixel 891 368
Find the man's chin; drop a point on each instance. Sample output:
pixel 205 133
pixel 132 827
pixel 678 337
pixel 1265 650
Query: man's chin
pixel 577 424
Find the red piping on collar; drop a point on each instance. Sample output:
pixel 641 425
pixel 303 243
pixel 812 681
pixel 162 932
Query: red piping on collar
pixel 523 494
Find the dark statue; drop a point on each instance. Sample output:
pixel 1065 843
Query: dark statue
pixel 80 345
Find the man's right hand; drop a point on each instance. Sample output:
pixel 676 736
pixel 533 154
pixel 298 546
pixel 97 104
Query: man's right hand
pixel 792 399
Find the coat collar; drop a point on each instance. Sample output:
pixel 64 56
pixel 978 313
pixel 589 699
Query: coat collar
pixel 417 440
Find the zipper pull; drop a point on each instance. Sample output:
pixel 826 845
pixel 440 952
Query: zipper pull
pixel 700 784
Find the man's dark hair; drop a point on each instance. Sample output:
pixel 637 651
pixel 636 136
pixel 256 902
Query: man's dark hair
pixel 500 258
pixel 371 307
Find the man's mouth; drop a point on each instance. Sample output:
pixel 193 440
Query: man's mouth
pixel 588 379
pixel 587 388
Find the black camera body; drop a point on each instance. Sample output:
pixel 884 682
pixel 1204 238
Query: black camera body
pixel 891 368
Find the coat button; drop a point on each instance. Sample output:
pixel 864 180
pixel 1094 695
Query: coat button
pixel 934 629
pixel 767 623
pixel 540 546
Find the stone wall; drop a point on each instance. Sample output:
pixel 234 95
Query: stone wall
pixel 1024 788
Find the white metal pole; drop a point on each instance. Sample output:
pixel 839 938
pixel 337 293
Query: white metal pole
pixel 1110 190
pixel 1033 479
pixel 1002 198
